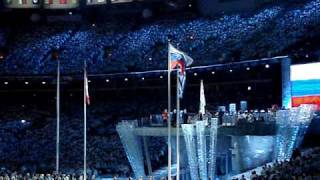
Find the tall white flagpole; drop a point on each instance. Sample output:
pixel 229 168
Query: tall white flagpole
pixel 58 117
pixel 85 124
pixel 178 128
pixel 169 116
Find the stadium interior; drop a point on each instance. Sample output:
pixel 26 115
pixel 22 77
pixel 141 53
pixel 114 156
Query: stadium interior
pixel 84 87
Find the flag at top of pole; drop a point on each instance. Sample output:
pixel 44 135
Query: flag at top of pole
pixel 202 107
pixel 179 60
pixel 86 88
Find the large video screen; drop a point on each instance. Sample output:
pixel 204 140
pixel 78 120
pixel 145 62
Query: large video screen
pixel 305 84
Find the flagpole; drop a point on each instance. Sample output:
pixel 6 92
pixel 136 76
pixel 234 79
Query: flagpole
pixel 169 112
pixel 58 117
pixel 85 124
pixel 178 127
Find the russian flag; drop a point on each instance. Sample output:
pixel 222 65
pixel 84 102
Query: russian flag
pixel 305 84
pixel 179 60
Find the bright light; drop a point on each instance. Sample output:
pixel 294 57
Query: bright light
pixel 248 68
pixel 43 82
pixel 249 88
pixel 26 83
pixel 150 58
pixel 93 25
pixel 107 80
pixel 125 79
pixel 161 77
pixel 267 66
pixel 23 121
pixel 230 70
pixel 195 74
pixel 212 72
pixel 89 81
pixel 70 13
pixel 142 78
pixel 6 83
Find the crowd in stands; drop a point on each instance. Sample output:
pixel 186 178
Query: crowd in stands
pixel 28 136
pixel 7 175
pixel 302 165
pixel 110 47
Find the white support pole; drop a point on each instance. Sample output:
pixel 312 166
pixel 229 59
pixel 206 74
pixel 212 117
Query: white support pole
pixel 58 117
pixel 178 127
pixel 85 126
pixel 169 116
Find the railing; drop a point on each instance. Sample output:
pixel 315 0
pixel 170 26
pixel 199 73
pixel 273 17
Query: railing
pixel 226 119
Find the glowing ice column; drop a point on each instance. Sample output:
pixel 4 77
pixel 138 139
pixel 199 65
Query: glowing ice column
pixel 305 116
pixel 292 125
pixel 190 140
pixel 202 149
pixel 293 129
pixel 280 147
pixel 286 82
pixel 132 146
pixel 213 145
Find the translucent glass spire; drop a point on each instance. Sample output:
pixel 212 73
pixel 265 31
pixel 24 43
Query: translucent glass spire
pixel 132 146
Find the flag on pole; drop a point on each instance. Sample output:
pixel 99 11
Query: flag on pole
pixel 202 109
pixel 179 60
pixel 86 88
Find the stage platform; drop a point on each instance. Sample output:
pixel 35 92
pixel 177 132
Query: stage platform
pixel 255 129
pixel 212 151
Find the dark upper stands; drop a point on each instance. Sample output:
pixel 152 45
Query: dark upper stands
pixel 124 47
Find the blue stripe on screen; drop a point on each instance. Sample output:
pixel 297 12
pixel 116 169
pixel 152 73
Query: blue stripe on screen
pixel 305 87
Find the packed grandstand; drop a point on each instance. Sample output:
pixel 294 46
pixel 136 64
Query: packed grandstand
pixel 106 47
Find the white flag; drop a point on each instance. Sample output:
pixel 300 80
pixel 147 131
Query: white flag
pixel 202 99
pixel 86 87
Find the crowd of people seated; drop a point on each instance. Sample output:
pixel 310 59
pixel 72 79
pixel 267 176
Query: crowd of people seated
pixel 107 47
pixel 302 165
pixel 28 136
pixel 7 175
